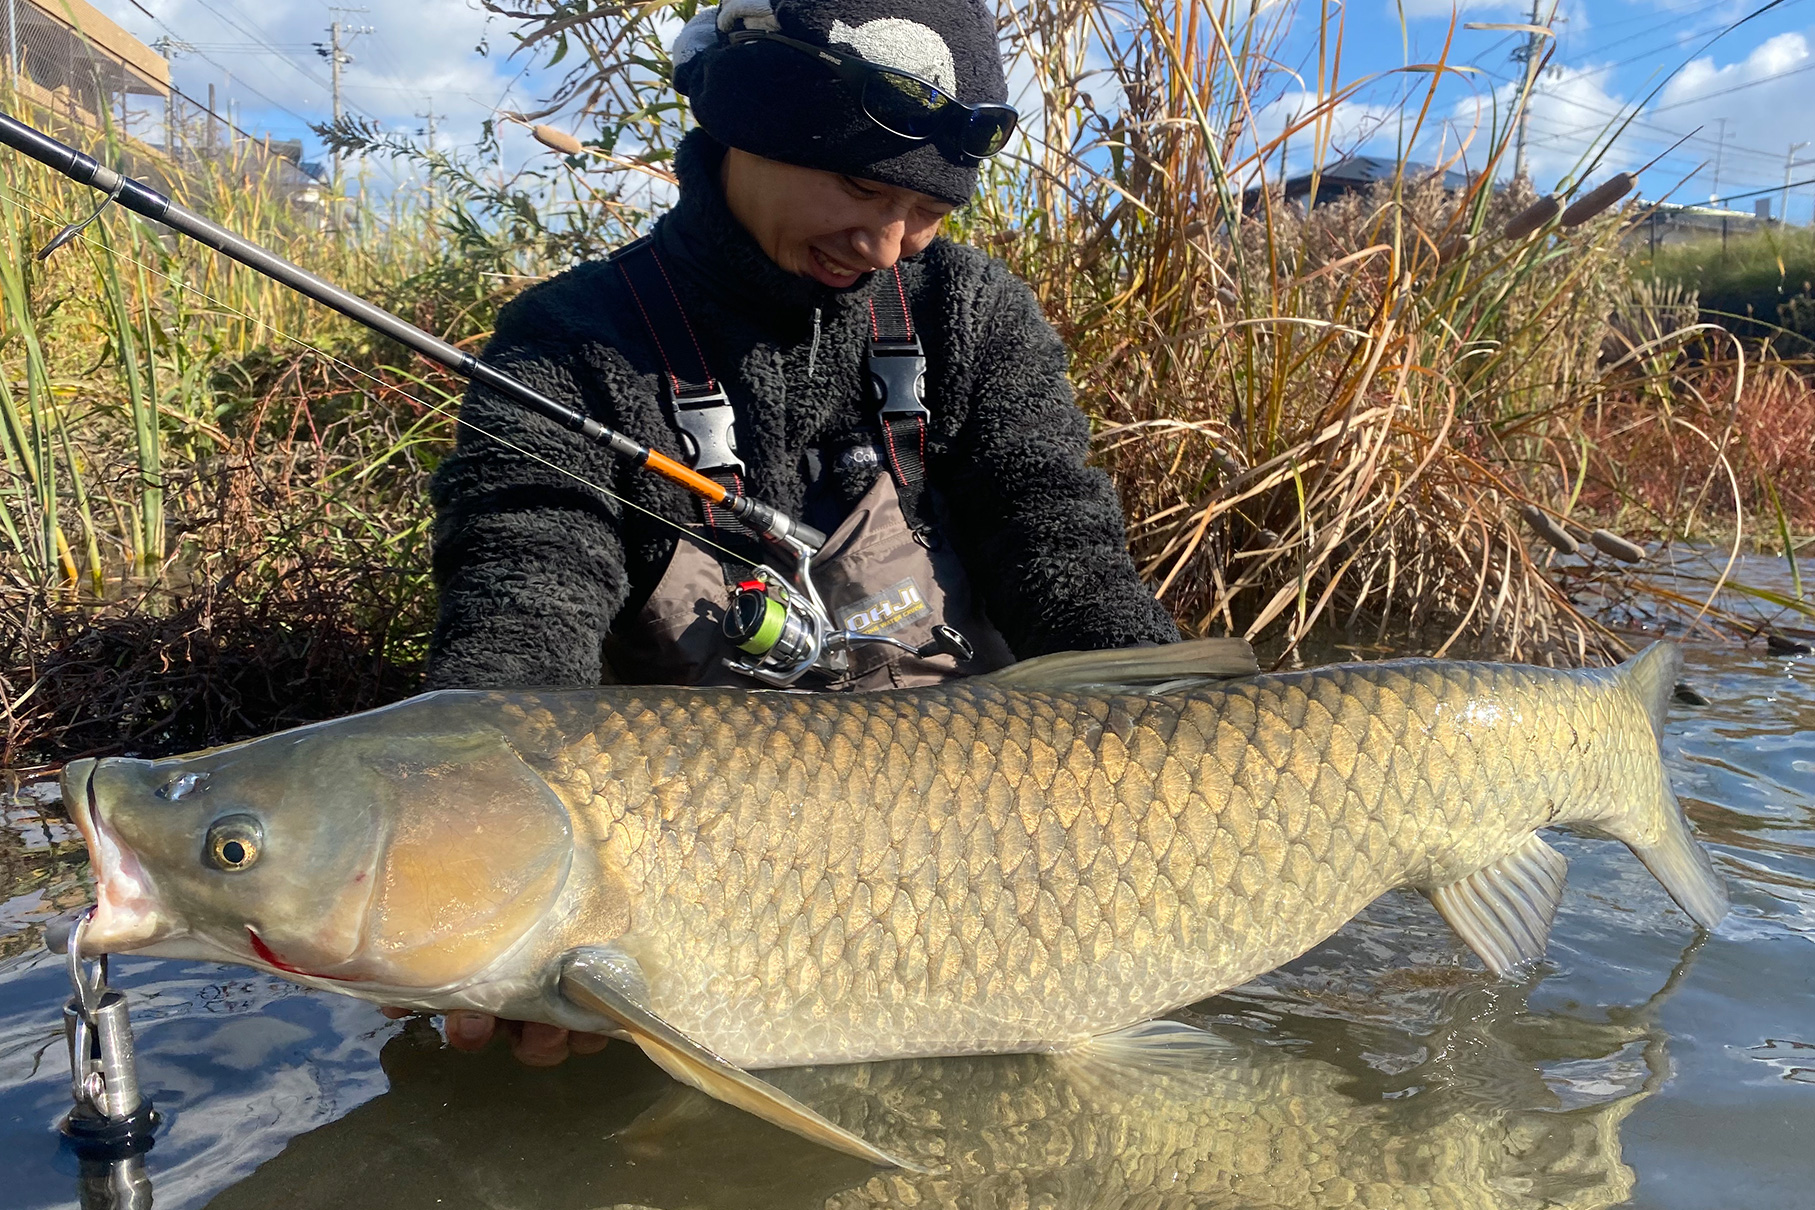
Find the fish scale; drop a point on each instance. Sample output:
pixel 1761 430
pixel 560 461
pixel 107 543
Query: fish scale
pixel 1044 866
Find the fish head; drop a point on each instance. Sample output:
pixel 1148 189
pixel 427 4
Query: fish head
pixel 378 859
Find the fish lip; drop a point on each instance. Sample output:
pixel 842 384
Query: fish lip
pixel 126 916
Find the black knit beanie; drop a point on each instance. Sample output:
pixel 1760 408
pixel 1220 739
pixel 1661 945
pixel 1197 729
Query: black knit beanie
pixel 781 104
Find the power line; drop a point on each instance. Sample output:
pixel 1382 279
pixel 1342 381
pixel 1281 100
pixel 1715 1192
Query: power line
pixel 255 92
pixel 1620 116
pixel 1707 96
pixel 260 37
pixel 1673 44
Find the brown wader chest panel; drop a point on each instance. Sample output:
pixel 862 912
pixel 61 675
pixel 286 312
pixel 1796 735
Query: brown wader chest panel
pixel 874 575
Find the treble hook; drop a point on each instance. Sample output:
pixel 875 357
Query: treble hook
pixel 74 229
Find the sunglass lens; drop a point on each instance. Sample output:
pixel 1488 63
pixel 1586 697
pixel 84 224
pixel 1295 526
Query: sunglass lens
pixel 988 129
pixel 904 105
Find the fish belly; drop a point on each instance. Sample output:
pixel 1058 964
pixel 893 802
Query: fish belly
pixel 968 868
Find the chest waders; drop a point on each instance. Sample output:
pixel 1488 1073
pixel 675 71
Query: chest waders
pixel 884 571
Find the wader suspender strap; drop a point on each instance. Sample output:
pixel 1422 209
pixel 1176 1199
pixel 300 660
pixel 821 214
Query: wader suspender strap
pixel 897 366
pixel 897 373
pixel 701 410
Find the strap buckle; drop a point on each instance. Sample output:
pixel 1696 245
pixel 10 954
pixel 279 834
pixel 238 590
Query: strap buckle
pixel 898 379
pixel 708 428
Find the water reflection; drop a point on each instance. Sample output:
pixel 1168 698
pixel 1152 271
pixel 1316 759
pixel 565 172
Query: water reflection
pixel 1506 1109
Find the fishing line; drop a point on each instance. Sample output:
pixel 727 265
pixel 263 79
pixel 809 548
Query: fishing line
pixel 26 204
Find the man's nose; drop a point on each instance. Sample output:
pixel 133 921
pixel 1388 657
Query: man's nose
pixel 880 243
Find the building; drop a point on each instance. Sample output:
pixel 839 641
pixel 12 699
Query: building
pixel 65 56
pixel 1662 224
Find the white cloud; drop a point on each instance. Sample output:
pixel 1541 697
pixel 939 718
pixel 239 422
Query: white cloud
pixel 1731 125
pixel 419 58
pixel 1770 58
pixel 1573 112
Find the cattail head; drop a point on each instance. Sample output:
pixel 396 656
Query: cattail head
pixel 1533 217
pixel 1611 543
pixel 557 140
pixel 1549 529
pixel 1454 248
pixel 1598 199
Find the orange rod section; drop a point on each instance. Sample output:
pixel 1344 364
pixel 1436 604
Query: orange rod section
pixel 687 477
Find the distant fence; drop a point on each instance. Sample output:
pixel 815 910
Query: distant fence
pixel 74 65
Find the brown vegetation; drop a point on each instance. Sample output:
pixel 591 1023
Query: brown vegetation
pixel 1334 418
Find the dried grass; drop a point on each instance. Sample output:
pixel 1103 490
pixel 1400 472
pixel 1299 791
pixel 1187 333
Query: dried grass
pixel 1326 419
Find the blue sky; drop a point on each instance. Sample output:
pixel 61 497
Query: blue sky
pixel 1743 101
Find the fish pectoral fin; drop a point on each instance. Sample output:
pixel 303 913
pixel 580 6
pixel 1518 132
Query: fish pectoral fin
pixel 1168 668
pixel 1504 910
pixel 1155 1043
pixel 607 981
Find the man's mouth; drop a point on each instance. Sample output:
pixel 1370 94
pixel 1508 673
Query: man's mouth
pixel 833 272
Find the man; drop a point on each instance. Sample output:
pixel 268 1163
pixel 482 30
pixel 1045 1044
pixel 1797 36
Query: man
pixel 834 137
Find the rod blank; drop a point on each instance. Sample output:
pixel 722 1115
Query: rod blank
pixel 143 200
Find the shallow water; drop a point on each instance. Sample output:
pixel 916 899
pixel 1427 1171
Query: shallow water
pixel 1639 1066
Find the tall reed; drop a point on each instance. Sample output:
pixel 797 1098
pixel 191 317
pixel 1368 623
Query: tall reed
pixel 1341 415
pixel 1392 413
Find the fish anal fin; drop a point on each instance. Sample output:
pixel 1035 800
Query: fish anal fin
pixel 607 981
pixel 1163 669
pixel 1503 910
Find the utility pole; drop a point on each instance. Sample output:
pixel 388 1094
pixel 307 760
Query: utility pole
pixel 1720 148
pixel 431 117
pixel 336 55
pixel 1529 56
pixel 1789 162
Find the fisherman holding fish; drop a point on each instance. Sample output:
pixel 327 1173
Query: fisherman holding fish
pixel 799 277
pixel 1047 856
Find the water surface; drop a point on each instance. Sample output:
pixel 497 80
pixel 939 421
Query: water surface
pixel 1638 1066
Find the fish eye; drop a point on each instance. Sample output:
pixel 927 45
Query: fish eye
pixel 233 842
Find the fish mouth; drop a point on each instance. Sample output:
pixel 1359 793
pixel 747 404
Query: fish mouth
pixel 126 915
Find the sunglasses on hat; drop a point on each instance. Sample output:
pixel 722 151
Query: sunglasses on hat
pixel 904 104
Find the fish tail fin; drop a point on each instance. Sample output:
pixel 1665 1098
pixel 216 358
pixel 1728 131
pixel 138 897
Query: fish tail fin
pixel 1679 862
pixel 1658 832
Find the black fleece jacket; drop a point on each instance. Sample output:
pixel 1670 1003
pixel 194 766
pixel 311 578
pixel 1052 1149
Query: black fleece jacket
pixel 534 562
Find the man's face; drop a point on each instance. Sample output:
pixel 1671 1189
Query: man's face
pixel 828 227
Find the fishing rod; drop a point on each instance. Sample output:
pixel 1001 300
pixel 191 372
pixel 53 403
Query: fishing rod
pixel 143 200
pixel 780 625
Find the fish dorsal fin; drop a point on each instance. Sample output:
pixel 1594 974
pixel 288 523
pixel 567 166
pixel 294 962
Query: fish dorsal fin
pixel 1651 676
pixel 1504 910
pixel 1168 668
pixel 608 981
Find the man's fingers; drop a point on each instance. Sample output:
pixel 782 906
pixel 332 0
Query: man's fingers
pixel 532 1042
pixel 540 1045
pixel 469 1031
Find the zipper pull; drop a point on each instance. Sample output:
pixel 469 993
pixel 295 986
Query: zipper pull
pixel 813 349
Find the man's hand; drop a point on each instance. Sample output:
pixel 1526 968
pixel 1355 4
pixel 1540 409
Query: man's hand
pixel 533 1042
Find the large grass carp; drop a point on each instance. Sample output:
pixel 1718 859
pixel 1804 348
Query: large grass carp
pixel 1044 858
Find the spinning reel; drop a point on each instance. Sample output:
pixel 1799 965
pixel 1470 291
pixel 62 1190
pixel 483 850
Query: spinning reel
pixel 785 631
